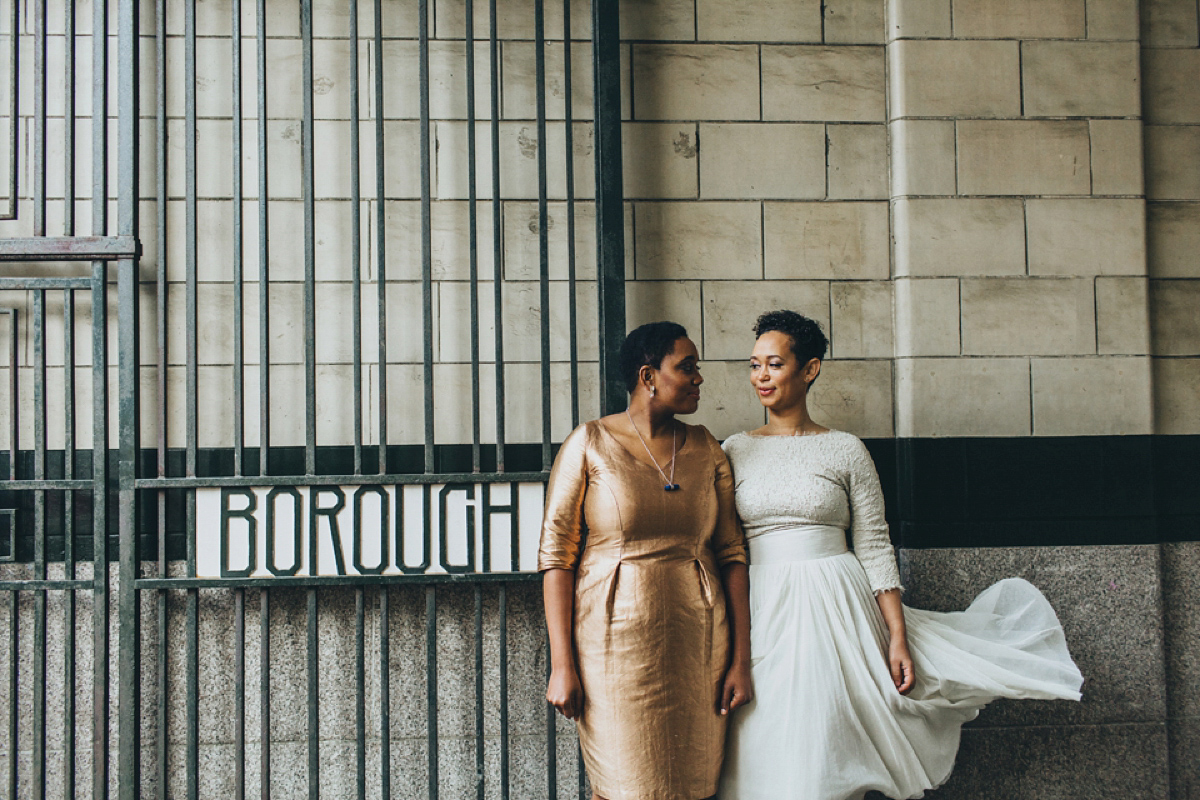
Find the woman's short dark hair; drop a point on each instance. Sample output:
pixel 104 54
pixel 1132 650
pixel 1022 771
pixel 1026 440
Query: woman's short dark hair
pixel 808 341
pixel 647 345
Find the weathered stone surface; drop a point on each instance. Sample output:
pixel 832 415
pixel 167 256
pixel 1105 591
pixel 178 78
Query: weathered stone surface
pixel 1122 316
pixel 695 82
pixel 1065 79
pixel 754 161
pixel 1023 157
pixel 927 317
pixel 959 236
pixel 810 83
pixel 962 397
pixel 955 79
pixel 1115 391
pixel 1027 316
pixel 826 240
pixel 1177 396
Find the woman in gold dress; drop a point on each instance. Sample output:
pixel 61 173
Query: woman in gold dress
pixel 645 583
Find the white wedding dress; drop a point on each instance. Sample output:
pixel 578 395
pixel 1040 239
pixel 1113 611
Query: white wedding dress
pixel 827 722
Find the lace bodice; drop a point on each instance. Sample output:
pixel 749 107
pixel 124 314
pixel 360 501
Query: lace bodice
pixel 827 479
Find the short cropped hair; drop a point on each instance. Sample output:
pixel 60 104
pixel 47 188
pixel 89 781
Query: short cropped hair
pixel 808 340
pixel 647 345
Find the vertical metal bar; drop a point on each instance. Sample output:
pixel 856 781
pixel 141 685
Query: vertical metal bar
pixel 14 397
pixel 380 238
pixel 610 210
pixel 99 118
pixel 191 244
pixel 100 668
pixel 264 267
pixel 310 275
pixel 426 228
pixel 239 336
pixel 504 761
pixel 473 236
pixel 68 122
pixel 39 121
pixel 539 35
pixel 385 695
pixel 14 94
pixel 569 123
pixel 314 718
pixel 192 645
pixel 497 236
pixel 360 693
pixel 356 238
pixel 69 542
pixel 479 740
pixel 431 688
pixel 192 688
pixel 38 771
pixel 162 288
pixel 13 705
pixel 239 698
pixel 264 693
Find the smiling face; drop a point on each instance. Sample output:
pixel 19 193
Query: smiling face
pixel 677 379
pixel 778 377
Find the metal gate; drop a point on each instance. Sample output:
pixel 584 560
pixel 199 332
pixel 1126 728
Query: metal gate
pixel 312 176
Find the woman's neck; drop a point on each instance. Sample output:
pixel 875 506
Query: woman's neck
pixel 651 420
pixel 790 420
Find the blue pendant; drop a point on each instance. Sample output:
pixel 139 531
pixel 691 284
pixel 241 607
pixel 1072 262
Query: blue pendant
pixel 671 487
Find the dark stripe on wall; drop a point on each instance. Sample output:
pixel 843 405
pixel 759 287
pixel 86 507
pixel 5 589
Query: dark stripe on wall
pixel 977 492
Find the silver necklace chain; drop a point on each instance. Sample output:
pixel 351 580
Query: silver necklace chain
pixel 670 485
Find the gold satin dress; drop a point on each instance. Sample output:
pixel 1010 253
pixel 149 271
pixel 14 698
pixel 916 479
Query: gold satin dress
pixel 651 635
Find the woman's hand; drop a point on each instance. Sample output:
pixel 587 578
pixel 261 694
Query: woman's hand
pixel 565 692
pixel 900 665
pixel 738 689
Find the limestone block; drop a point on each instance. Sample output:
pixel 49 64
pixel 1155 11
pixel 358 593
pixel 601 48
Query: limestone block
pixel 731 307
pixel 1023 157
pixel 858 163
pixel 927 317
pixel 662 20
pixel 958 236
pixel 1173 240
pixel 515 20
pixel 1086 237
pixel 1113 19
pixel 678 301
pixel 1122 316
pixel 756 161
pixel 861 325
pixel 523 400
pixel 1020 19
pixel 918 19
pixel 677 241
pixel 962 397
pixel 1117 156
pixel 854 396
pixel 727 402
pixel 809 83
pixel 283 158
pixel 1091 396
pixel 923 160
pixel 405 411
pixel 1177 396
pixel 759 21
pixel 1174 321
pixel 520 81
pixel 1169 23
pixel 518 160
pixel 214 77
pixel 1172 86
pixel 1065 79
pixel 405 326
pixel 1172 170
pixel 854 21
pixel 332 232
pixel 826 240
pixel 522 248
pixel 660 160
pixel 955 79
pixel 695 82
pixel 521 317
pixel 1028 316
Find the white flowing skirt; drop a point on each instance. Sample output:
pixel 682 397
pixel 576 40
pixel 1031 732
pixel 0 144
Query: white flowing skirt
pixel 827 722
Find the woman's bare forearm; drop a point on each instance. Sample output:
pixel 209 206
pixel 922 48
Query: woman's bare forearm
pixel 736 580
pixel 558 591
pixel 893 614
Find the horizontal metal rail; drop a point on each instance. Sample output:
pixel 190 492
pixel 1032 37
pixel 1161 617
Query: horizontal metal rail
pixel 69 248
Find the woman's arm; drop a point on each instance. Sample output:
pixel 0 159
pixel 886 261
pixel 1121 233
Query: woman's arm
pixel 564 691
pixel 900 662
pixel 738 688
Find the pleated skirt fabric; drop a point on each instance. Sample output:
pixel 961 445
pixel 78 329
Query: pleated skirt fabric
pixel 827 722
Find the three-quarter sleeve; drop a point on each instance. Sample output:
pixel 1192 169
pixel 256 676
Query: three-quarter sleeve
pixel 868 529
pixel 562 523
pixel 729 540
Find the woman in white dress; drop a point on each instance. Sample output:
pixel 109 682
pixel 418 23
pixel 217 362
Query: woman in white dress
pixel 855 692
